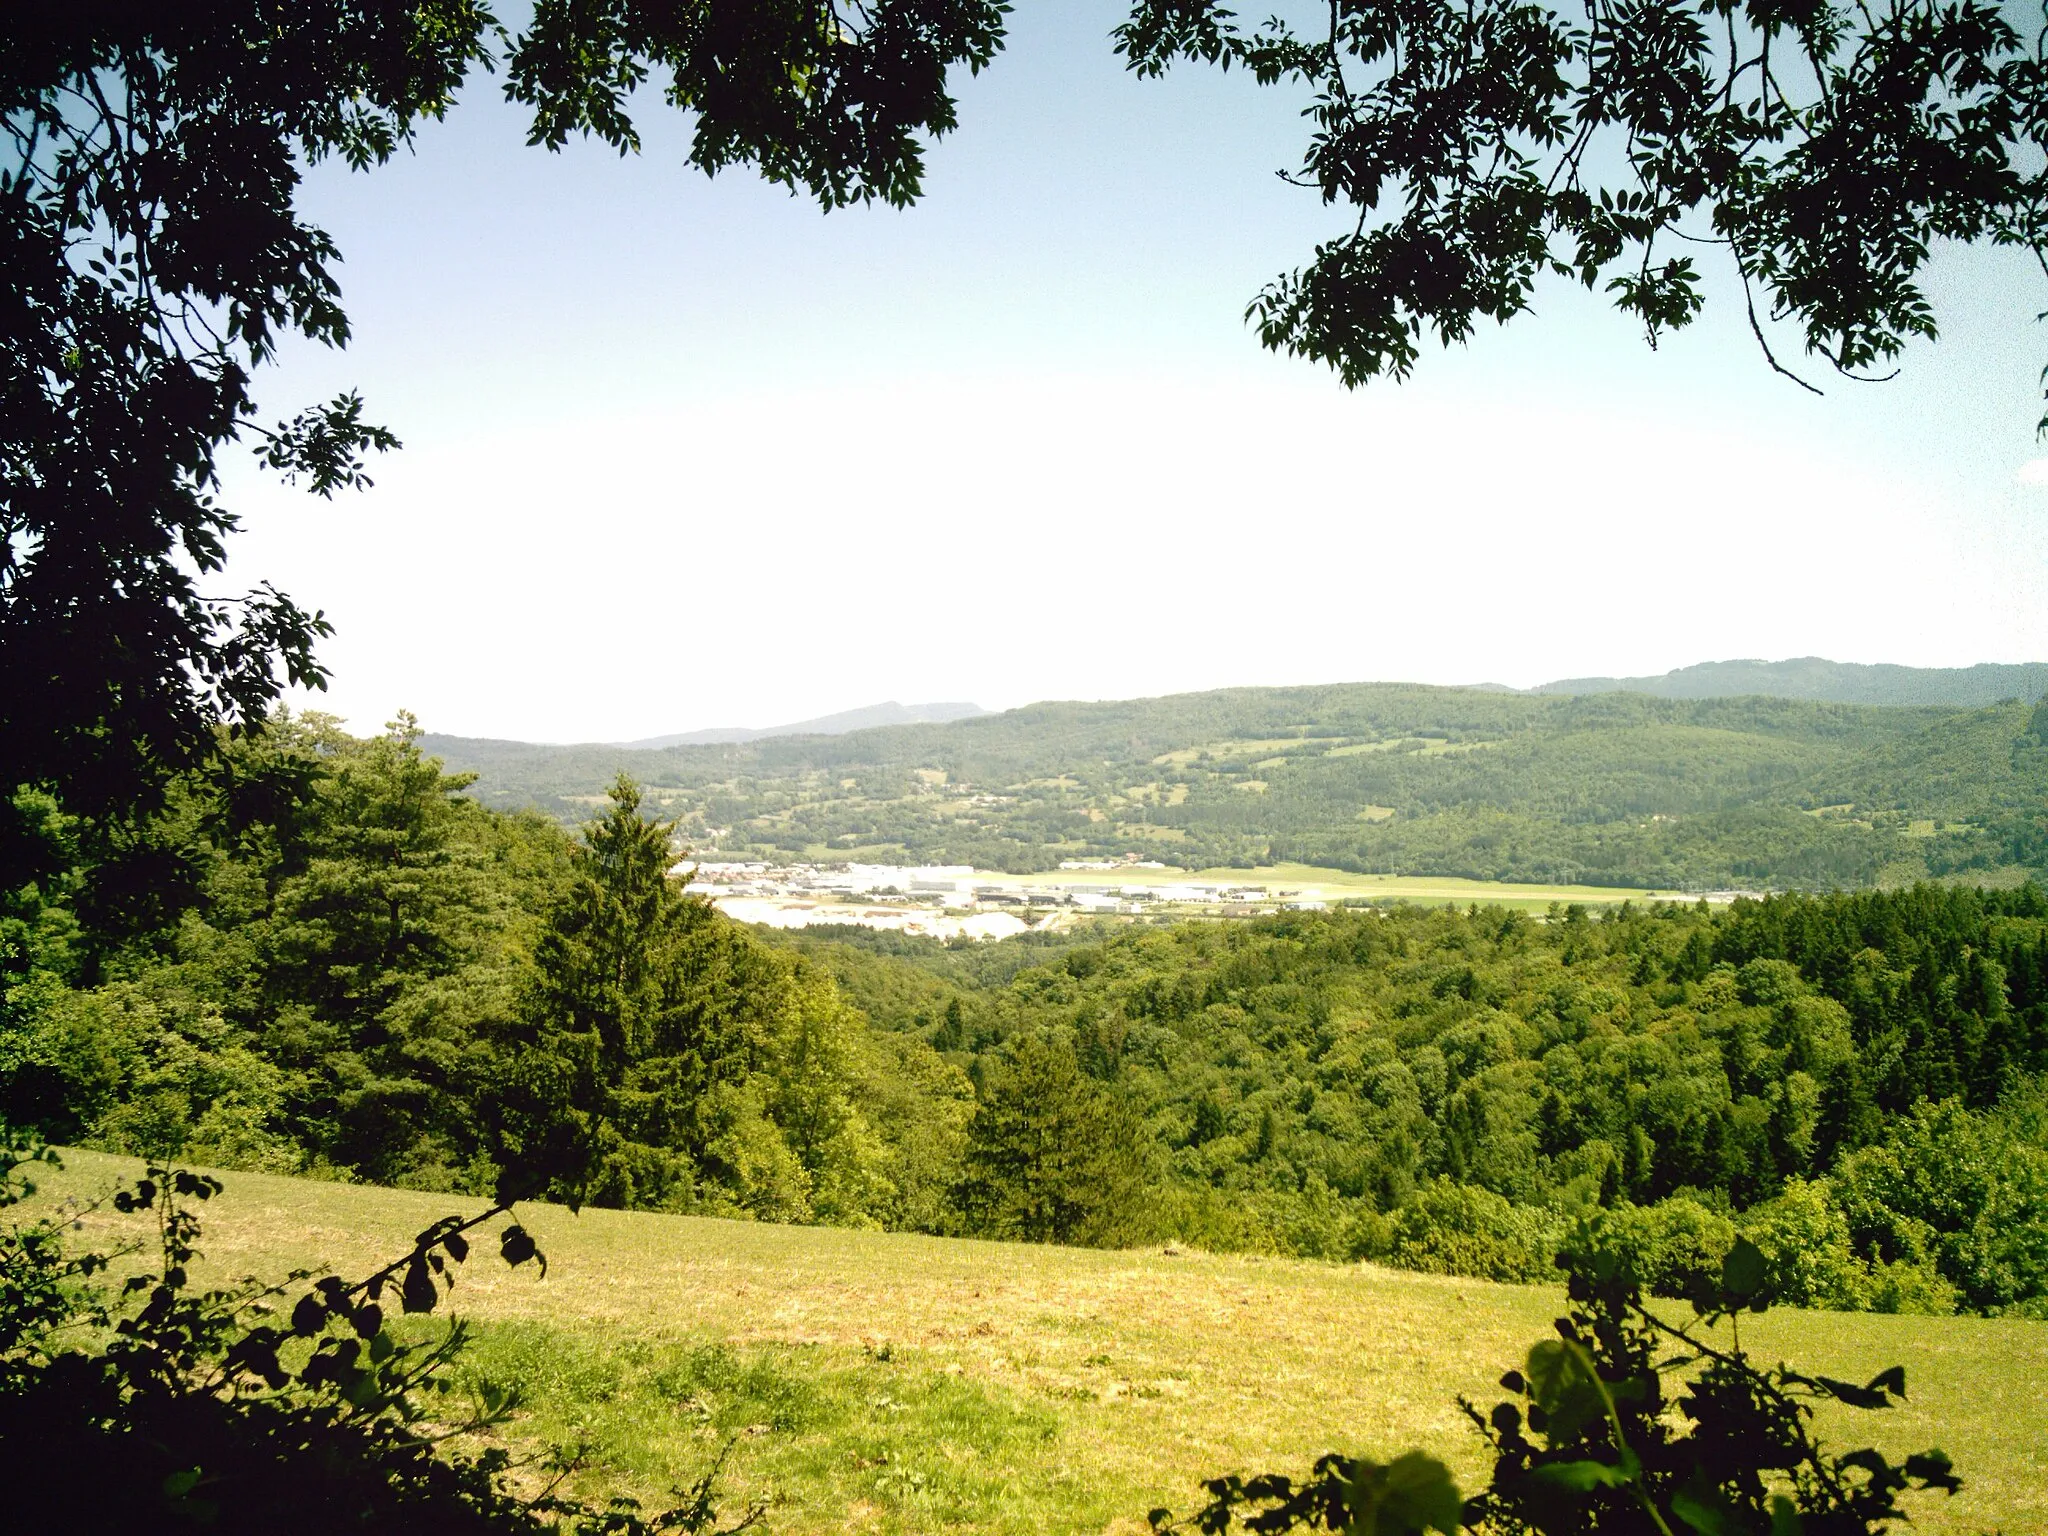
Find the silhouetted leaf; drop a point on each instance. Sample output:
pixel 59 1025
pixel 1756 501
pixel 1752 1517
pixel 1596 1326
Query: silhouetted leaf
pixel 1702 1506
pixel 1580 1476
pixel 1744 1273
pixel 1848 1392
pixel 419 1292
pixel 1410 1494
pixel 1933 1469
pixel 516 1246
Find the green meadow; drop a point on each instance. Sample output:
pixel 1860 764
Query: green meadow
pixel 1316 882
pixel 898 1383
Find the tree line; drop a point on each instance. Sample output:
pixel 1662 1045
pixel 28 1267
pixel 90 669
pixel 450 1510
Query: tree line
pixel 1853 1082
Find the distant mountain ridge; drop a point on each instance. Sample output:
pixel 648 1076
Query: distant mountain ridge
pixel 866 718
pixel 1830 682
pixel 1596 787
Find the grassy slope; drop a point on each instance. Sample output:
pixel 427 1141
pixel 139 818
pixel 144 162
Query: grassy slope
pixel 899 1383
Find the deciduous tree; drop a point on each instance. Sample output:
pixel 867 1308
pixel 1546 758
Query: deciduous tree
pixel 1820 150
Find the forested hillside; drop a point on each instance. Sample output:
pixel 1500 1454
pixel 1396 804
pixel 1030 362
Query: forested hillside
pixel 1617 789
pixel 378 978
pixel 372 976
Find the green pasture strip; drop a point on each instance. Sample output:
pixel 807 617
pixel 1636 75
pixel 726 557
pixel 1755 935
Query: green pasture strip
pixel 890 1382
pixel 1342 884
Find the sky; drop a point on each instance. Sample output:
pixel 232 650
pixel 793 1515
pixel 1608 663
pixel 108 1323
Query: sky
pixel 685 452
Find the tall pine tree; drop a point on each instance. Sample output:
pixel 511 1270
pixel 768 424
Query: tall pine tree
pixel 608 989
pixel 1054 1156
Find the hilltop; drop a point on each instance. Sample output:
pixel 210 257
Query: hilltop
pixel 1603 788
pixel 1835 682
pixel 890 713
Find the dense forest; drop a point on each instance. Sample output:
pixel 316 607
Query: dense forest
pixel 1854 1081
pixel 376 977
pixel 1606 789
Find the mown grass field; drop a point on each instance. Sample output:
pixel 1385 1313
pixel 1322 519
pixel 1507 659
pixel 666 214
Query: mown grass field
pixel 893 1383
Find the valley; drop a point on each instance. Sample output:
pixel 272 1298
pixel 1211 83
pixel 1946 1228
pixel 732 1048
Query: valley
pixel 957 901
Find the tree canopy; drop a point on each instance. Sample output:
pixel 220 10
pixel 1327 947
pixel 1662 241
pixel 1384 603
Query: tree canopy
pixel 1824 148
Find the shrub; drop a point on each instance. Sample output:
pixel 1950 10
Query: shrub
pixel 1961 1194
pixel 1460 1229
pixel 1672 1248
pixel 1623 1423
pixel 1804 1238
pixel 1907 1287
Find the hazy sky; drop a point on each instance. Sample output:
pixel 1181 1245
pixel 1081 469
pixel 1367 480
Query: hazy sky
pixel 683 452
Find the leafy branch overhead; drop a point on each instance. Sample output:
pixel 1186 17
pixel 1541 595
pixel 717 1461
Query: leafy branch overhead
pixel 834 99
pixel 1824 149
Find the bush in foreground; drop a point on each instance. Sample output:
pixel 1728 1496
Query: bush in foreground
pixel 168 1408
pixel 1623 1423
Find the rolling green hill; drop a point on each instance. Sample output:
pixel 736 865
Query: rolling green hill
pixel 1602 788
pixel 1841 682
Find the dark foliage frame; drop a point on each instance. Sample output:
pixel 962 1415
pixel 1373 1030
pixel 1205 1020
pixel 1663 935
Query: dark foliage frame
pixel 1484 144
pixel 166 1406
pixel 154 258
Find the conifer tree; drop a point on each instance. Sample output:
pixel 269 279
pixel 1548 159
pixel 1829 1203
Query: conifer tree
pixel 606 988
pixel 664 1058
pixel 1053 1156
pixel 601 960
